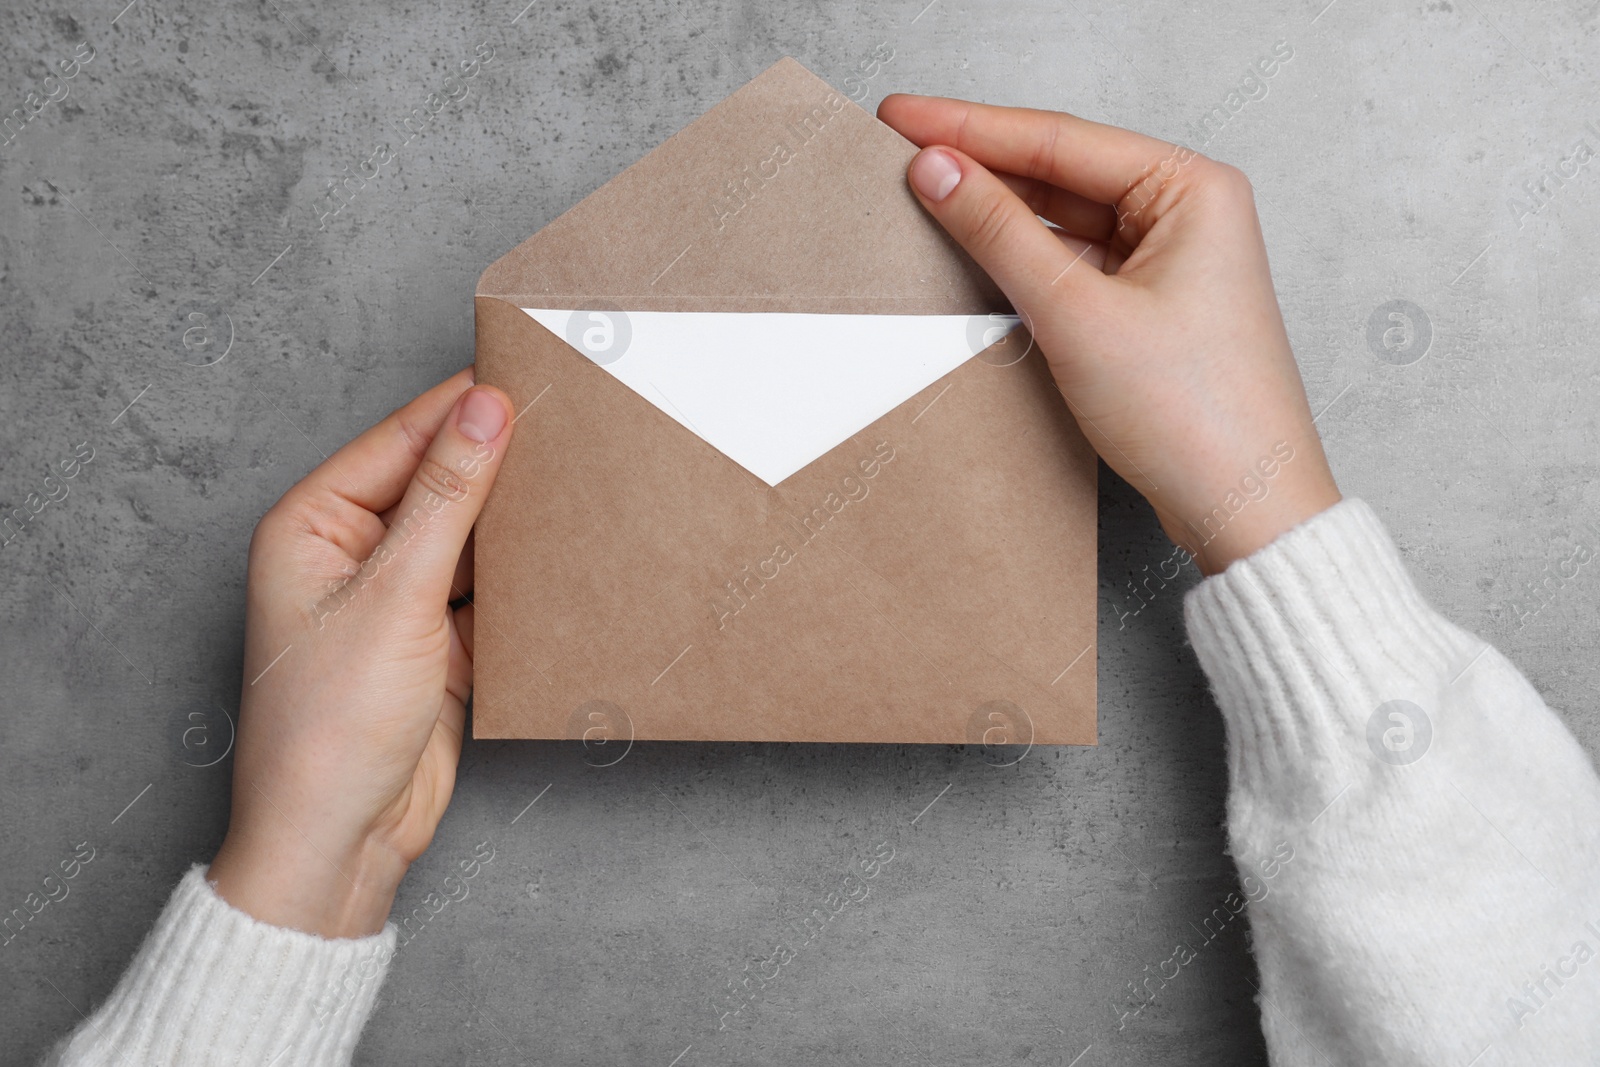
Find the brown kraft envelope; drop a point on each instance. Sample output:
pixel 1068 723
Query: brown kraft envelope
pixel 931 579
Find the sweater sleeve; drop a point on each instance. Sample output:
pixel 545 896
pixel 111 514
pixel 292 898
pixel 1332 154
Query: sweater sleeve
pixel 214 986
pixel 1417 834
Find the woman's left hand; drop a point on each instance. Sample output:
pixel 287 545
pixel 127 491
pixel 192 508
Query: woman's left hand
pixel 357 667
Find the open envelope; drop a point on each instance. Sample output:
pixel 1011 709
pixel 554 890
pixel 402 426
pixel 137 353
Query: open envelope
pixel 768 482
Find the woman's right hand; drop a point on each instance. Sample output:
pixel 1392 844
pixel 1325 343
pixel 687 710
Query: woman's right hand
pixel 1152 303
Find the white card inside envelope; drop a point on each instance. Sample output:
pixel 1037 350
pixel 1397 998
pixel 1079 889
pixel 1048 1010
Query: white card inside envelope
pixel 774 391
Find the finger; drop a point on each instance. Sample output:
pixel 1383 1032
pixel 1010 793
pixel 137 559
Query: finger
pixel 466 620
pixel 1073 213
pixel 1092 253
pixel 1115 258
pixel 423 545
pixel 997 229
pixel 1093 160
pixel 372 471
pixel 461 581
pixel 458 673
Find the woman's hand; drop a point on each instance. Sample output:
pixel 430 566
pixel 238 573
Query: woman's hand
pixel 357 668
pixel 1175 360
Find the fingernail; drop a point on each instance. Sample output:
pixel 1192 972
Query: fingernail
pixel 481 417
pixel 472 374
pixel 935 173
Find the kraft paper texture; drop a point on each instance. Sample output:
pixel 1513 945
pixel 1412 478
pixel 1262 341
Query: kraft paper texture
pixel 932 579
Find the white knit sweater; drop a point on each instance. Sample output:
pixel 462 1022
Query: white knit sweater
pixel 1422 875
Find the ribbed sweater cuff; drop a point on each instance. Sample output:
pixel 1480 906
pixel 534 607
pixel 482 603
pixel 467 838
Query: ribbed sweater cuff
pixel 211 985
pixel 1296 637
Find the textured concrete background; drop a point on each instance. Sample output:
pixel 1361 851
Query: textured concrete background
pixel 179 178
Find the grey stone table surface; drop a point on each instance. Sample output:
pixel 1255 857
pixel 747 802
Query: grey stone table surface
pixel 165 211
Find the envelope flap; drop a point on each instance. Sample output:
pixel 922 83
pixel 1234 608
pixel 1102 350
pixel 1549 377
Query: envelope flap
pixel 784 197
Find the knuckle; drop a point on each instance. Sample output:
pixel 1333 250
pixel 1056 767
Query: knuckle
pixel 274 538
pixel 1235 178
pixel 263 535
pixel 415 440
pixel 961 126
pixel 441 479
pixel 1222 188
pixel 991 222
pixel 273 526
pixel 1042 163
pixel 1226 177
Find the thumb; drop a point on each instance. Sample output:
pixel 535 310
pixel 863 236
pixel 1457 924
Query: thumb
pixel 1023 255
pixel 431 523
